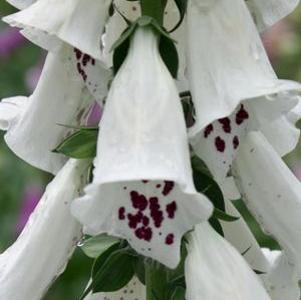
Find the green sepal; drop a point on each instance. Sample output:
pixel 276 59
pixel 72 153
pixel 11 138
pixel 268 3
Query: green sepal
pixel 178 293
pixel 80 145
pixel 95 246
pixel 221 215
pixel 182 7
pixel 167 48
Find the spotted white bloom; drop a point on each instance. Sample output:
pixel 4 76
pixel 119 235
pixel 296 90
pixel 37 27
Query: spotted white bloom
pixel 60 99
pixel 44 247
pixel 134 290
pixel 233 86
pixel 142 188
pixel 272 194
pixel 215 270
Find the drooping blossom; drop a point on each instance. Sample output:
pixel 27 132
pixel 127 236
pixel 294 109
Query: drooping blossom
pixel 215 270
pixel 42 250
pixel 142 166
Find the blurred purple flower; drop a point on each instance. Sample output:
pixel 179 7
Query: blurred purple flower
pixel 32 195
pixel 10 39
pixel 95 115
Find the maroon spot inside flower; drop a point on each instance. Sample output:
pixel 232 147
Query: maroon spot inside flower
pixel 241 115
pixel 93 61
pixel 208 130
pixel 155 211
pixel 134 220
pixel 144 233
pixel 125 188
pixel 138 201
pixel 226 123
pixel 145 221
pixel 220 144
pixel 121 213
pixel 171 209
pixel 86 59
pixel 78 53
pixel 158 186
pixel 145 181
pixel 168 187
pixel 169 239
pixel 235 142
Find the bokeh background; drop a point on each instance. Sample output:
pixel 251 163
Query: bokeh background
pixel 21 186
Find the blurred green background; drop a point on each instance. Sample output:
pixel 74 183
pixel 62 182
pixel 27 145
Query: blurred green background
pixel 19 69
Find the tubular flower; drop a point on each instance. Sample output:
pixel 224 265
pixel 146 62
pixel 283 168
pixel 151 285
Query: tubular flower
pixel 60 99
pixel 134 290
pixel 275 270
pixel 234 95
pixel 273 194
pixel 215 270
pixel 142 167
pixel 42 250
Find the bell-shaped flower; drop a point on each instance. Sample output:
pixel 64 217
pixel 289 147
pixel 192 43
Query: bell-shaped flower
pixel 142 188
pixel 273 267
pixel 280 282
pixel 233 86
pixel 267 13
pixel 79 24
pixel 37 124
pixel 272 193
pixel 215 270
pixel 134 290
pixel 41 252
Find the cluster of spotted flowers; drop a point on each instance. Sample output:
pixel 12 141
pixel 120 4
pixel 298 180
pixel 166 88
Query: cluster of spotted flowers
pixel 143 191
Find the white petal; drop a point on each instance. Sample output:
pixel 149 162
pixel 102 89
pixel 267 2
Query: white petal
pixel 215 270
pixel 10 109
pixel 135 290
pixel 241 237
pixel 280 281
pixel 43 249
pixel 272 193
pixel 268 12
pixel 79 23
pixel 21 4
pixel 59 99
pixel 142 170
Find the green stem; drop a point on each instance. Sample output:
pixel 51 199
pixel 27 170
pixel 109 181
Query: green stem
pixel 154 9
pixel 148 281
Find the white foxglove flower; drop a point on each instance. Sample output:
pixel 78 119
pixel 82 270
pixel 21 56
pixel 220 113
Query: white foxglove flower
pixel 134 290
pixel 274 268
pixel 35 125
pixel 215 270
pixel 272 193
pixel 44 247
pixel 280 281
pixel 142 189
pixel 268 12
pixel 230 76
pixel 79 23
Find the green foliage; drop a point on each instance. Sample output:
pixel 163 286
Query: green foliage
pixel 80 145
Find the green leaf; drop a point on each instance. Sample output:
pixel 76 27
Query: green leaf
pixel 95 246
pixel 182 7
pixel 115 273
pixel 205 184
pixel 169 55
pixel 139 268
pixel 80 145
pixel 219 214
pixel 178 294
